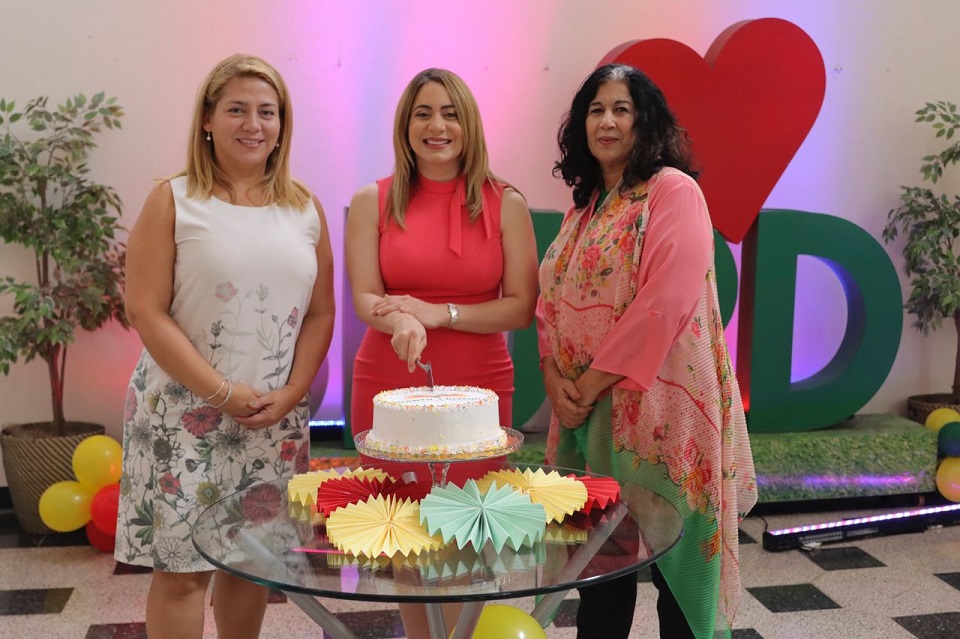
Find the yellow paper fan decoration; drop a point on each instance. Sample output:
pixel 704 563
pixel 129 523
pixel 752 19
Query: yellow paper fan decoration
pixel 302 488
pixel 559 495
pixel 380 562
pixel 366 473
pixel 380 525
pixel 564 534
pixel 307 513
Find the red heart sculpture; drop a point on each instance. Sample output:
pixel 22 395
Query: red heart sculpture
pixel 748 105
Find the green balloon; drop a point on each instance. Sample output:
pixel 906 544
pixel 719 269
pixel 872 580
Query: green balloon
pixel 948 439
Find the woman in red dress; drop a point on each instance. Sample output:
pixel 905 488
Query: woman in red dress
pixel 441 258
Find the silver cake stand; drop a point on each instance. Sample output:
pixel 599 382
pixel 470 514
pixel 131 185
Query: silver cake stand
pixel 439 463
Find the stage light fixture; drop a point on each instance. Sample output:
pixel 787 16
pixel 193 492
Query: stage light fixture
pixel 857 528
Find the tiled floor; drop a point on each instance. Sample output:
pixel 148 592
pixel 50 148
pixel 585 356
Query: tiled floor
pixel 891 587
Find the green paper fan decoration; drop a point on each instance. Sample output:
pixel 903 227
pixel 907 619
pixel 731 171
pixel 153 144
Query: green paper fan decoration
pixel 471 516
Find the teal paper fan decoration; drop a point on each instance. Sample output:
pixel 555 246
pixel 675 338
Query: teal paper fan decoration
pixel 470 516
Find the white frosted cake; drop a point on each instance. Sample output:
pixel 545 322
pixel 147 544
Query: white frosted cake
pixel 447 420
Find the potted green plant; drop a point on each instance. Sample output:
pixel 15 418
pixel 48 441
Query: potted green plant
pixel 930 224
pixel 50 206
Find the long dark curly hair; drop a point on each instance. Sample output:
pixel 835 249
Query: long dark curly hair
pixel 660 141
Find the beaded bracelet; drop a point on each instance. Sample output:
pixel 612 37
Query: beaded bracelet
pixel 227 398
pixel 217 392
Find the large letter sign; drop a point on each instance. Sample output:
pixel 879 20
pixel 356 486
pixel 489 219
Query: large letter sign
pixel 870 341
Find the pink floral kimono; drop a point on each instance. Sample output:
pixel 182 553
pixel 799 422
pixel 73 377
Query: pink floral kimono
pixel 628 287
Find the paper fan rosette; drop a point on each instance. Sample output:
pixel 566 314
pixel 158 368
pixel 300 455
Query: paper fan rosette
pixel 564 534
pixel 379 562
pixel 473 515
pixel 380 525
pixel 601 491
pixel 307 514
pixel 509 561
pixel 360 471
pixel 342 491
pixel 447 563
pixel 585 519
pixel 302 488
pixel 451 562
pixel 560 496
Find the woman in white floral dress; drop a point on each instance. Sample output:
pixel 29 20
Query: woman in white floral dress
pixel 230 286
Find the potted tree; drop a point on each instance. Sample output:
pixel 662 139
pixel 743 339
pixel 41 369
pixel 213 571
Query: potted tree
pixel 930 224
pixel 50 206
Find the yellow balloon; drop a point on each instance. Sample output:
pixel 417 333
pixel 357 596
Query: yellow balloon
pixel 65 506
pixel 500 621
pixel 936 419
pixel 96 462
pixel 948 478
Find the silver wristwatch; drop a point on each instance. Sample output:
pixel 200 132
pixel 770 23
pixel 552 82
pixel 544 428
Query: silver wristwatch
pixel 454 314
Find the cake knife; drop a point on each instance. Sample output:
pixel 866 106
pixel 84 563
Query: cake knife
pixel 428 370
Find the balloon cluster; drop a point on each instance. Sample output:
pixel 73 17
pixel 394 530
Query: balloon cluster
pixel 946 423
pixel 92 500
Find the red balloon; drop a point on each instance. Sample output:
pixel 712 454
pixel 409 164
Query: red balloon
pixel 104 507
pixel 99 539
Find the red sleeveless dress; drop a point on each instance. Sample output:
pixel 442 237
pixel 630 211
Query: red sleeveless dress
pixel 441 256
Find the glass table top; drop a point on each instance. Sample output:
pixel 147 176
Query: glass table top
pixel 259 535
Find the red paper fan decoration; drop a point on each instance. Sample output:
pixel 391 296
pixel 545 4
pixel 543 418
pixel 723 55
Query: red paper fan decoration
pixel 401 489
pixel 601 491
pixel 340 492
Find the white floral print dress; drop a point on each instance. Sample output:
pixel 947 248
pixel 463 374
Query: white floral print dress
pixel 242 281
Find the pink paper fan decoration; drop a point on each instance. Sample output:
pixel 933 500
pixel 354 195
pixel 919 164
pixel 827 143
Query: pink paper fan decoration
pixel 337 493
pixel 601 491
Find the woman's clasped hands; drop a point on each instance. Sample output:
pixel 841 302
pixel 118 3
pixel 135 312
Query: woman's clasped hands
pixel 255 410
pixel 565 398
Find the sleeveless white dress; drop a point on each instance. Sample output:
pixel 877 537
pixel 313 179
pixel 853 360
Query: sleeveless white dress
pixel 242 281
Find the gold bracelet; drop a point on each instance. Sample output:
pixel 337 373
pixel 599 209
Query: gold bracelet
pixel 217 392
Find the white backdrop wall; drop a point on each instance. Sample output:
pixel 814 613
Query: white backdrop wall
pixel 346 63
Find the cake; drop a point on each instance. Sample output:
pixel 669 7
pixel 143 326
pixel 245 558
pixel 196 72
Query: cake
pixel 445 420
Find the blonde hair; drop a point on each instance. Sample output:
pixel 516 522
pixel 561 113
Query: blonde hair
pixel 204 173
pixel 474 163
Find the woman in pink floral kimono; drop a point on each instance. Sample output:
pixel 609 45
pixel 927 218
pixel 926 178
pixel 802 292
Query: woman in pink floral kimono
pixel 633 351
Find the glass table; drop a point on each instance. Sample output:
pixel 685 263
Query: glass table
pixel 257 534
